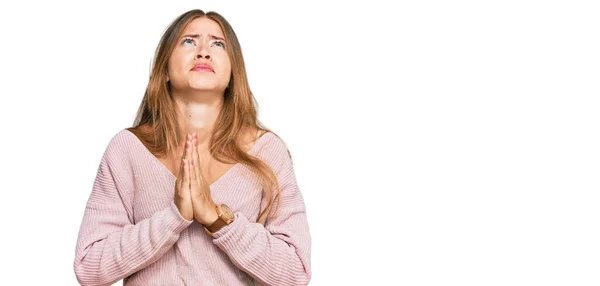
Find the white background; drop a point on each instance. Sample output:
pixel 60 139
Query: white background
pixel 435 142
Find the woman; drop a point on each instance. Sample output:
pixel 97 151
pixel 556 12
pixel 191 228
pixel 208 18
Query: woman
pixel 197 192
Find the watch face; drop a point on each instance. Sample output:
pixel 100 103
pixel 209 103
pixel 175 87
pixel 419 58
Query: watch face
pixel 227 213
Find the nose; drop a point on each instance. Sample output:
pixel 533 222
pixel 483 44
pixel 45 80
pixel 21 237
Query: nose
pixel 202 53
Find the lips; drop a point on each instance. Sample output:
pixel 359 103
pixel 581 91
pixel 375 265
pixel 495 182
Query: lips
pixel 202 67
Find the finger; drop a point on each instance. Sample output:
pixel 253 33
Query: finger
pixel 197 166
pixel 179 177
pixel 194 168
pixel 195 155
pixel 181 167
pixel 195 152
pixel 187 153
pixel 186 175
pixel 180 174
pixel 184 156
pixel 188 150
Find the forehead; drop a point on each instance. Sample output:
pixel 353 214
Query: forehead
pixel 203 26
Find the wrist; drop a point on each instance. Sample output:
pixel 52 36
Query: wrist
pixel 210 215
pixel 224 217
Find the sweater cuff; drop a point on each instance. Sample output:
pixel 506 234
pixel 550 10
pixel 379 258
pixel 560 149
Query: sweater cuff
pixel 231 232
pixel 174 218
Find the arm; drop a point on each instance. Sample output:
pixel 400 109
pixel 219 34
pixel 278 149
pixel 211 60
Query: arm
pixel 110 247
pixel 277 253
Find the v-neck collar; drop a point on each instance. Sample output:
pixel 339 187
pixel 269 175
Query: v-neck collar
pixel 218 180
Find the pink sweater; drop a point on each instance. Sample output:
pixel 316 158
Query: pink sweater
pixel 131 228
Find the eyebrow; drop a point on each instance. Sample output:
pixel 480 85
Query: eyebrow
pixel 196 36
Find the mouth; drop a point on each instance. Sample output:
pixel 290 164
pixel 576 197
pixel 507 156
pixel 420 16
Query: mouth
pixel 202 68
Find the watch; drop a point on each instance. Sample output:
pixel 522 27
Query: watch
pixel 226 217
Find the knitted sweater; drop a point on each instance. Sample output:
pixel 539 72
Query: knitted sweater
pixel 132 230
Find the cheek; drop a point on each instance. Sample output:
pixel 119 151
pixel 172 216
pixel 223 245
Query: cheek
pixel 227 67
pixel 171 67
pixel 176 61
pixel 228 71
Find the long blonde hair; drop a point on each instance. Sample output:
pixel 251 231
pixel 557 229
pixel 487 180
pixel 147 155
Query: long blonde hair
pixel 238 114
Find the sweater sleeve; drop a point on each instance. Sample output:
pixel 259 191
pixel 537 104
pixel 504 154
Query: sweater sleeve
pixel 109 246
pixel 277 253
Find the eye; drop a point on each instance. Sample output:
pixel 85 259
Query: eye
pixel 188 41
pixel 219 44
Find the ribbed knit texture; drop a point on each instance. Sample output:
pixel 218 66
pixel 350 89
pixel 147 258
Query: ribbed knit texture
pixel 132 230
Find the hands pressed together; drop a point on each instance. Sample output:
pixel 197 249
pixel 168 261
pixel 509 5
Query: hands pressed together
pixel 192 192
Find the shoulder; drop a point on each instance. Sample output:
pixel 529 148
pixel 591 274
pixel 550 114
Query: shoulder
pixel 274 150
pixel 121 146
pixel 122 137
pixel 122 140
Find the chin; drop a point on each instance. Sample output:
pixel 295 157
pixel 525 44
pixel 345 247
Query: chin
pixel 204 85
pixel 211 88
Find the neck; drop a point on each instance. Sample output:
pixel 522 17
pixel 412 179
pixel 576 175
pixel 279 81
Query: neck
pixel 198 113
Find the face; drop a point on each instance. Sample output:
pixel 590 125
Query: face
pixel 200 61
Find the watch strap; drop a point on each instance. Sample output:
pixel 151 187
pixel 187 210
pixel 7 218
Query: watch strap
pixel 216 226
pixel 224 218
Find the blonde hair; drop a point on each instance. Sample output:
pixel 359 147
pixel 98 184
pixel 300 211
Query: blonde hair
pixel 238 114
